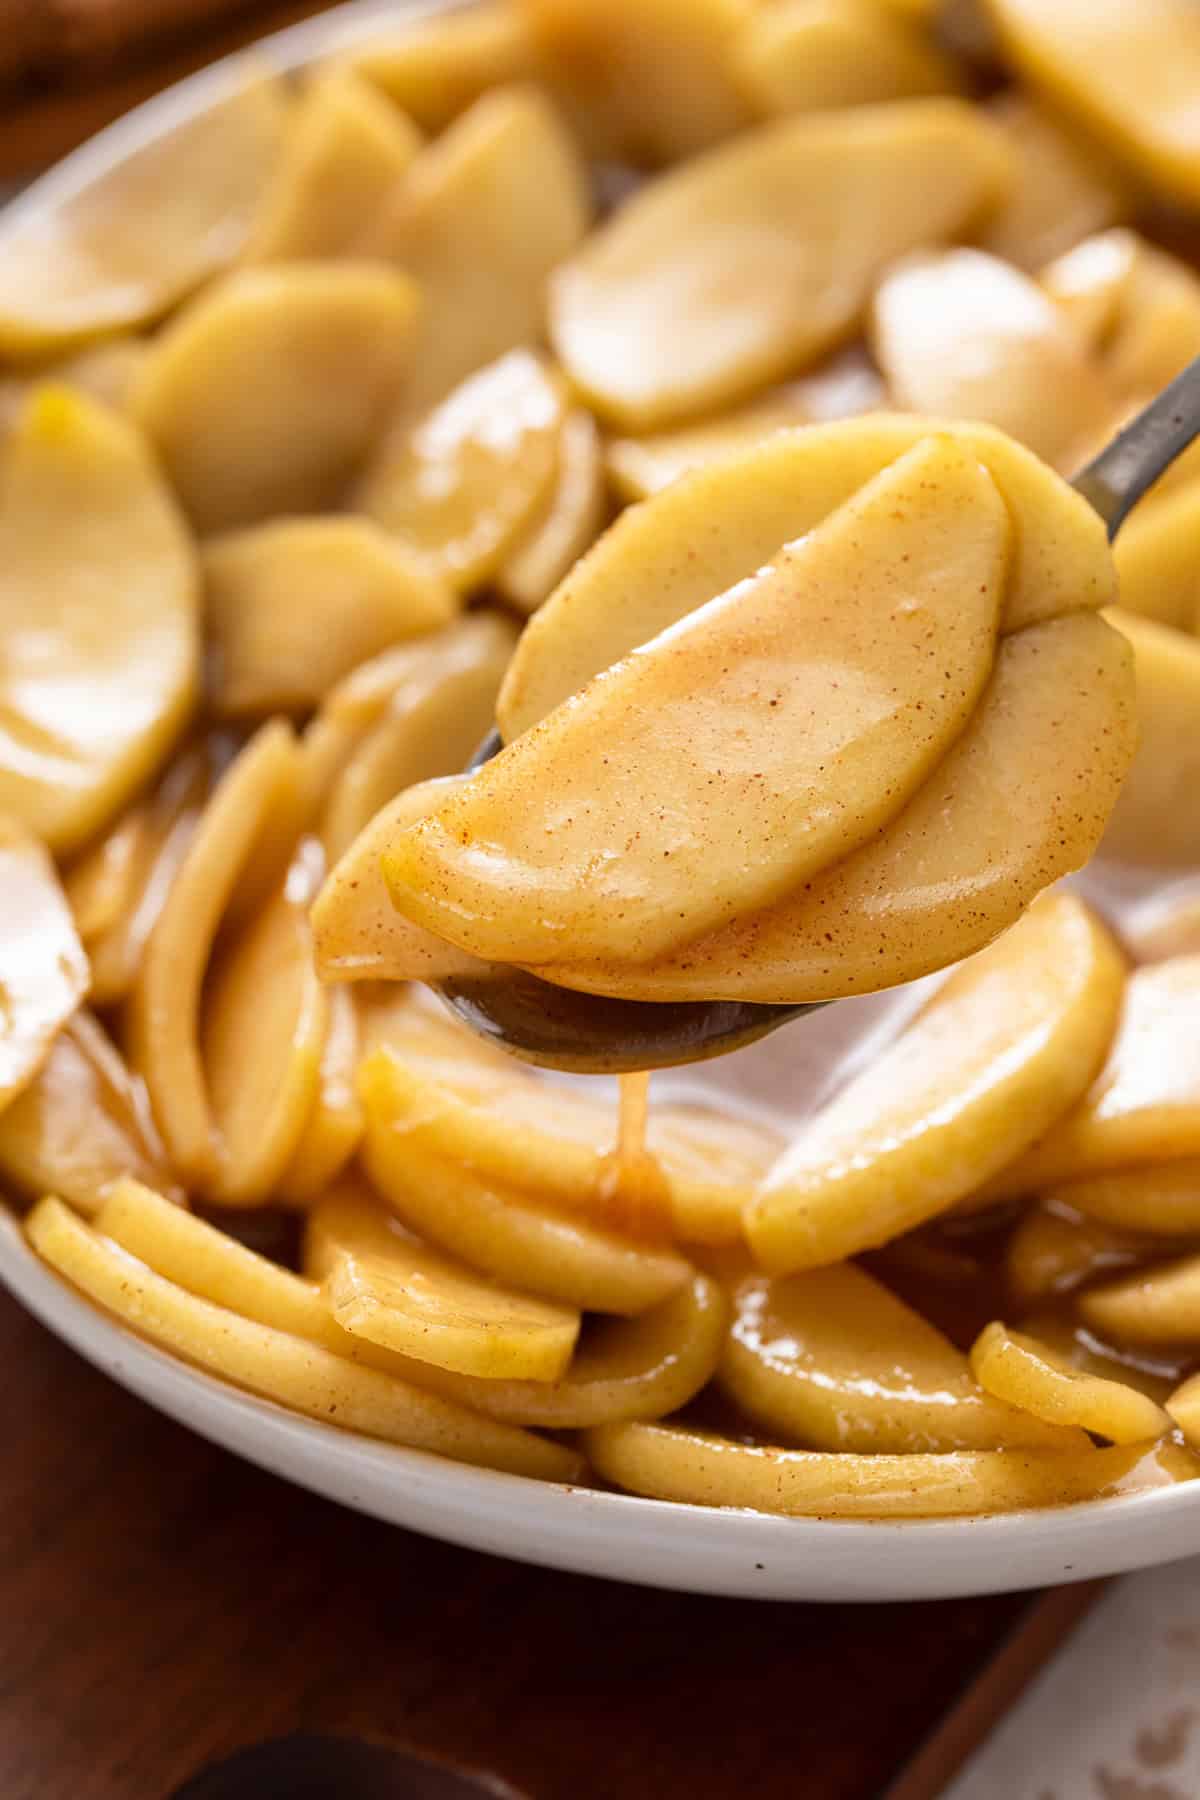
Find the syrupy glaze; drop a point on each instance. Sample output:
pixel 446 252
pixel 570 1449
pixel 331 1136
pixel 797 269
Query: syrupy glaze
pixel 633 1188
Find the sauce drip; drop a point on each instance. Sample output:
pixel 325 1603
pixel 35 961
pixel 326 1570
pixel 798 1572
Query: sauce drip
pixel 633 1189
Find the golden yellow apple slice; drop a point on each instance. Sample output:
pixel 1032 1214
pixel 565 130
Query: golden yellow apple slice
pixel 101 885
pixel 1159 1305
pixel 1054 1250
pixel 1156 556
pixel 264 393
pixel 1129 73
pixel 433 1086
pixel 674 1462
pixel 1155 821
pixel 645 81
pixel 1153 1373
pixel 165 1002
pixel 1031 1376
pixel 831 1359
pixel 962 333
pixel 567 523
pixel 436 67
pixel 82 1123
pixel 1001 1052
pixel 1144 1104
pixel 1065 187
pixel 105 372
pixel 1158 327
pixel 1162 1199
pixel 808 55
pixel 262 1035
pixel 277 1364
pixel 482 217
pixel 345 150
pixel 1021 799
pixel 98 607
pixel 748 263
pixel 501 1228
pixel 760 740
pixel 639 578
pixel 295 605
pixel 462 483
pixel 129 244
pixel 43 968
pixel 334 1127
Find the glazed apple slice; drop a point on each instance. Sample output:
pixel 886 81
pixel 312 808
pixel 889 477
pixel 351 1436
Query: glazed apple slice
pixel 766 736
pixel 43 969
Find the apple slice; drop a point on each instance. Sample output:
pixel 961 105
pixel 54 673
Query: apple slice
pixel 809 55
pixel 566 525
pixel 1006 1046
pixel 1066 185
pixel 745 265
pixel 1054 1250
pixel 1154 823
pixel 1032 1376
pixel 1162 1199
pixel 43 968
pixel 742 752
pixel 334 1127
pixel 98 594
pixel 436 67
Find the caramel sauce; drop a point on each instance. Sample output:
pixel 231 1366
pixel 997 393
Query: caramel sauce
pixel 633 1189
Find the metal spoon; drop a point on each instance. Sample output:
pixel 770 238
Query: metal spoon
pixel 593 1034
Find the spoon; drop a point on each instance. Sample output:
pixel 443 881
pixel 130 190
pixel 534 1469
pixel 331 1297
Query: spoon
pixel 597 1035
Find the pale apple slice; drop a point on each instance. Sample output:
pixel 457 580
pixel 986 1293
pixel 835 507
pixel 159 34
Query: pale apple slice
pixel 749 263
pixel 262 782
pixel 1157 331
pixel 98 597
pixel 1128 73
pixel 129 244
pixel 293 606
pixel 1066 185
pixel 1006 1046
pixel 334 1127
pixel 82 1123
pixel 727 774
pixel 1055 1250
pixel 1090 282
pixel 1158 1305
pixel 964 334
pixel 434 68
pixel 1162 1199
pixel 1021 799
pixel 436 1087
pixel 662 560
pixel 482 217
pixel 467 479
pixel 501 1228
pixel 566 525
pixel 1155 822
pixel 281 1366
pixel 1156 555
pixel 1030 1376
pixel 831 1359
pixel 262 395
pixel 1144 1104
pixel 345 150
pixel 43 967
pixel 809 55
pixel 675 1462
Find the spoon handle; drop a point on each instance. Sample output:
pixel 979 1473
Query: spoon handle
pixel 1115 481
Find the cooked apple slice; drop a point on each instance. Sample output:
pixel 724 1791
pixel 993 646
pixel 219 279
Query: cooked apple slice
pixel 105 372
pixel 1055 1250
pixel 334 1127
pixel 43 968
pixel 279 1365
pixel 1144 1105
pixel 1157 331
pixel 1031 1376
pixel 808 55
pixel 345 150
pixel 831 1359
pixel 566 525
pixel 99 603
pixel 295 605
pixel 1162 1199
pixel 434 68
pixel 262 782
pixel 749 263
pixel 434 1086
pixel 466 480
pixel 1159 1305
pixel 1004 1048
pixel 1155 821
pixel 1153 1373
pixel 264 393
pixel 1129 73
pixel 675 1462
pixel 1021 799
pixel 483 216
pixel 1066 185
pixel 1090 282
pixel 126 246
pixel 82 1123
pixel 726 775
pixel 640 578
pixel 1156 556
pixel 964 334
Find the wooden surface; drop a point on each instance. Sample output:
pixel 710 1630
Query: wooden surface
pixel 162 1604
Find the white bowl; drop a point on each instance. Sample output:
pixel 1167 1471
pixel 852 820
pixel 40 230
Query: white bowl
pixel 698 1549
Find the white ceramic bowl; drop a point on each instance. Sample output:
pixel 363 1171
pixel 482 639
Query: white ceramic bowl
pixel 664 1545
